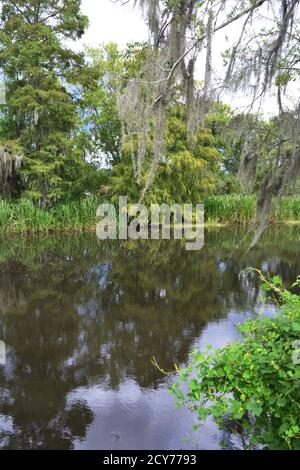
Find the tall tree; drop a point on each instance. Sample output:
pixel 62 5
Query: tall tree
pixel 42 77
pixel 186 171
pixel 112 69
pixel 264 59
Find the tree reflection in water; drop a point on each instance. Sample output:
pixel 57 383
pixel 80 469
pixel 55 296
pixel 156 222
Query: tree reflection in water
pixel 75 313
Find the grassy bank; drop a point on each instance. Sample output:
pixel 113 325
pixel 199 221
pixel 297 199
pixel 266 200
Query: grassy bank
pixel 240 210
pixel 24 217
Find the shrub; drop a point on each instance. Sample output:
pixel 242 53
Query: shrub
pixel 253 383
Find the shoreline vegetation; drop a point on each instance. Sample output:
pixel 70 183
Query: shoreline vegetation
pixel 250 387
pixel 24 217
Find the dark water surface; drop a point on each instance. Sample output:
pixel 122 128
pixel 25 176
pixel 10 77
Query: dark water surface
pixel 82 319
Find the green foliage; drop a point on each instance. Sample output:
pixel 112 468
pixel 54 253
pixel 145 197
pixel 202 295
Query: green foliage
pixel 240 209
pixel 44 81
pixel 26 217
pixel 111 68
pixel 23 215
pixel 103 127
pixel 61 115
pixel 287 208
pixel 219 121
pixel 253 382
pixel 187 171
pixel 230 208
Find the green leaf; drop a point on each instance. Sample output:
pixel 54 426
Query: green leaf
pixel 255 408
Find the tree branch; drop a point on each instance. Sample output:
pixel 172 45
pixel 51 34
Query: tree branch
pixel 20 11
pixel 201 38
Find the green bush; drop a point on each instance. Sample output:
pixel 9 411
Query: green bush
pixel 252 384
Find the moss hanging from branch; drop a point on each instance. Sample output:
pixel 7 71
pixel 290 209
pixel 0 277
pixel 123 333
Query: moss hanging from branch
pixel 262 59
pixel 10 164
pixel 144 103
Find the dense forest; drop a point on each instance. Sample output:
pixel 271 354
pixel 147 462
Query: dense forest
pixel 151 120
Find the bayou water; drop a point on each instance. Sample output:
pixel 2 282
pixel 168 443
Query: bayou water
pixel 82 319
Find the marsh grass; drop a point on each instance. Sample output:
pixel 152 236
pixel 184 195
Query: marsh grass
pixel 24 217
pixel 240 210
pixel 233 209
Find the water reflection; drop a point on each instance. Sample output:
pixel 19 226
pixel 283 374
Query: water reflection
pixel 81 321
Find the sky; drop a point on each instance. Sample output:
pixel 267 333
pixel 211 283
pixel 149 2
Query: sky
pixel 109 20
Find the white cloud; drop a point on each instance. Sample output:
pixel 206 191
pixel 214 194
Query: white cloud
pixel 111 21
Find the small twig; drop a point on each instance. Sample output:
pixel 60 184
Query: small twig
pixel 155 363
